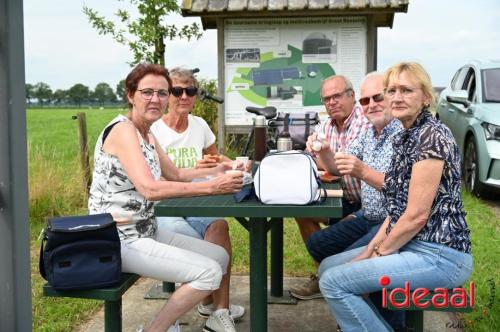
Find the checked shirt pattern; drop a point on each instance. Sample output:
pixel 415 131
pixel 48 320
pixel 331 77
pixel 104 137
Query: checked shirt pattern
pixel 355 124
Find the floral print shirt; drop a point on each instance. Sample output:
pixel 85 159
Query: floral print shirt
pixel 376 152
pixel 113 192
pixel 429 139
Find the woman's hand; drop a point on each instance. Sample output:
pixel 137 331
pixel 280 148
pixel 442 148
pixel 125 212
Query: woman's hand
pixel 208 161
pixel 230 182
pixel 367 253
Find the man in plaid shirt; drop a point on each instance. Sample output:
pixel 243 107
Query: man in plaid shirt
pixel 345 122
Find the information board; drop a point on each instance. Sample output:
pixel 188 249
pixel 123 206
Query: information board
pixel 281 62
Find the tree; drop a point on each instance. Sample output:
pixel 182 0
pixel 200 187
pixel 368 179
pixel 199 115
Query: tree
pixel 42 92
pixel 78 93
pixel 29 92
pixel 60 96
pixel 208 109
pixel 145 35
pixel 120 91
pixel 103 93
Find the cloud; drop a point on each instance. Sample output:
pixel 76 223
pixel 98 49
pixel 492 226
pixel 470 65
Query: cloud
pixel 61 48
pixel 442 36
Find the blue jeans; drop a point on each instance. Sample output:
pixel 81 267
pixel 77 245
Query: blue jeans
pixel 347 209
pixel 422 264
pixel 343 235
pixel 191 226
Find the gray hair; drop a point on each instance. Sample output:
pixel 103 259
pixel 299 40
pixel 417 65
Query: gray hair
pixel 184 75
pixel 348 84
pixel 371 75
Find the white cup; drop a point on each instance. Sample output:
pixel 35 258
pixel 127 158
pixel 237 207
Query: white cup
pixel 243 161
pixel 340 154
pixel 233 171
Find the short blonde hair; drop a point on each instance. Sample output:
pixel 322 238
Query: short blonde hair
pixel 417 73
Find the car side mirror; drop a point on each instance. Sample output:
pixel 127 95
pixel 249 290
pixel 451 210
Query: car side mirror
pixel 458 97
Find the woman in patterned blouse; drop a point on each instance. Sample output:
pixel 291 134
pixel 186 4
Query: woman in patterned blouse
pixel 128 169
pixel 424 240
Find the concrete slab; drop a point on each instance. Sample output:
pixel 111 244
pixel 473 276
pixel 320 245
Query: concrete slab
pixel 305 316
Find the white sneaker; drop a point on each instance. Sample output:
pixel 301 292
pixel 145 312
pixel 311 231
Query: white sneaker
pixel 175 328
pixel 219 321
pixel 235 311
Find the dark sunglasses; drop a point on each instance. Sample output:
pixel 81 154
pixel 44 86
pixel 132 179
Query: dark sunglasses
pixel 177 91
pixel 376 98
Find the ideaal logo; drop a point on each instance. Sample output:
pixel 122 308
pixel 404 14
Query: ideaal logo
pixel 419 297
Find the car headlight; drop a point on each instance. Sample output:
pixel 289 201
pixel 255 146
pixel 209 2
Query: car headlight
pixel 491 131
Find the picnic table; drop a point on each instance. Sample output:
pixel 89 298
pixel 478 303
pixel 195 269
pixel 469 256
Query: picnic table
pixel 257 219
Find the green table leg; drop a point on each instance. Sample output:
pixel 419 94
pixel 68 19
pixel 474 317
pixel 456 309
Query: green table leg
pixel 160 291
pixel 276 295
pixel 258 275
pixel 415 320
pixel 113 316
pixel 277 257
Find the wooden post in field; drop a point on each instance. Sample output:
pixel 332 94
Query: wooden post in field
pixel 84 149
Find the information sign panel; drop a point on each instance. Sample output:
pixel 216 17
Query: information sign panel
pixel 281 62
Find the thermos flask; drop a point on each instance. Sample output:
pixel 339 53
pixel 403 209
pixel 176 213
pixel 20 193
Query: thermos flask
pixel 284 140
pixel 259 138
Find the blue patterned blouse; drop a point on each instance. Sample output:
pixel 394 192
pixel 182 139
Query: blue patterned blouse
pixel 429 139
pixel 375 152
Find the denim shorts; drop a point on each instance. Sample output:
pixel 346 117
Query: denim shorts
pixel 190 226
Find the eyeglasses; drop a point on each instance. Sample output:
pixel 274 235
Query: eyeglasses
pixel 334 97
pixel 376 98
pixel 405 91
pixel 149 93
pixel 177 91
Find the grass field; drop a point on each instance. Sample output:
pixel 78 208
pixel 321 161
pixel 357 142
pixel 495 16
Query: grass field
pixel 55 189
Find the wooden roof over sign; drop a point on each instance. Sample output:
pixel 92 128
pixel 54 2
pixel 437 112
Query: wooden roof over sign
pixel 210 10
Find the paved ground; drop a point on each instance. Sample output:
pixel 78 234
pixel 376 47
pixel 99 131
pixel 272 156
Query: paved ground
pixel 305 316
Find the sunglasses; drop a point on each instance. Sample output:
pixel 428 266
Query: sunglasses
pixel 376 98
pixel 177 91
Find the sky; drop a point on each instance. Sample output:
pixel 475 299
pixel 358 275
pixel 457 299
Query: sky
pixel 62 49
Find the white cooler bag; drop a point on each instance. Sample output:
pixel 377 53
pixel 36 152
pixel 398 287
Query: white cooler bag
pixel 288 177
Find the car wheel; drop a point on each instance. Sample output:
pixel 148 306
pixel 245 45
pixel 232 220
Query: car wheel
pixel 471 169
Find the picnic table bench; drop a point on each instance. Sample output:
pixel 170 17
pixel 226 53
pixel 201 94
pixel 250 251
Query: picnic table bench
pixel 415 315
pixel 112 297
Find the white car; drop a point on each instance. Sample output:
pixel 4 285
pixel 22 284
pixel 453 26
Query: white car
pixel 470 107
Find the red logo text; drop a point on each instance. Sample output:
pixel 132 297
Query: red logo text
pixel 423 298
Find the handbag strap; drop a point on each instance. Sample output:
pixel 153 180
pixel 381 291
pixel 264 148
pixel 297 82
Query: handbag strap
pixel 322 198
pixel 41 265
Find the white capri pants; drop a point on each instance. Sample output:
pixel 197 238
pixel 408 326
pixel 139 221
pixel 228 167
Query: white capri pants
pixel 176 258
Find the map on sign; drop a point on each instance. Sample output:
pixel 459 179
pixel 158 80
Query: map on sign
pixel 282 62
pixel 282 79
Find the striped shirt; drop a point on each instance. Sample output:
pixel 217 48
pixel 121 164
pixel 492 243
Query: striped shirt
pixel 355 124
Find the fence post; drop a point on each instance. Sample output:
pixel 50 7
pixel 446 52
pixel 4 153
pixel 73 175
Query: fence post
pixel 84 149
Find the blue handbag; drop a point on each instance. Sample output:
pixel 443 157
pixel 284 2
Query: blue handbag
pixel 81 252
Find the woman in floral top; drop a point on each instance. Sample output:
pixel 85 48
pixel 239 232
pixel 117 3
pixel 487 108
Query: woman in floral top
pixel 128 166
pixel 424 240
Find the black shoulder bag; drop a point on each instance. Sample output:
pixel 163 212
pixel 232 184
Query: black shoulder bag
pixel 81 252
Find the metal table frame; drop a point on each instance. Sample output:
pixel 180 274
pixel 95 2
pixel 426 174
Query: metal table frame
pixel 257 218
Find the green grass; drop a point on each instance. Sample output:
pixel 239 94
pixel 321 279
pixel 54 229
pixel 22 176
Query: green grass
pixel 55 188
pixel 55 182
pixel 485 230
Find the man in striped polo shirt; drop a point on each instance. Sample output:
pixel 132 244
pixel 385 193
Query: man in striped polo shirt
pixel 345 122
